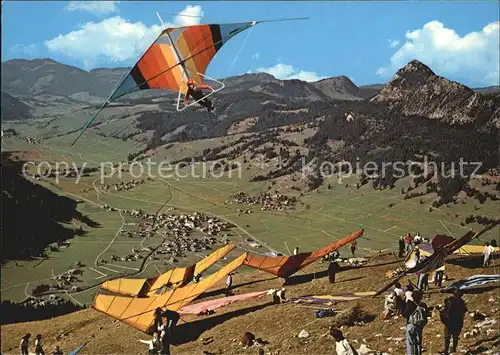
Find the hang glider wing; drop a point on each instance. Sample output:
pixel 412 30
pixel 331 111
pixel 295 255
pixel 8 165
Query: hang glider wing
pixel 472 281
pixel 436 259
pixel 174 278
pixel 139 312
pixel 460 242
pixel 284 266
pixel 198 307
pixel 473 249
pixel 440 241
pixel 331 300
pixel 178 54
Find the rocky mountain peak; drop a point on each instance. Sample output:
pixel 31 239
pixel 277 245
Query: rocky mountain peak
pixel 416 90
pixel 415 67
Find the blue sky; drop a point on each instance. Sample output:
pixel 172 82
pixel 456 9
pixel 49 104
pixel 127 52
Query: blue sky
pixel 366 41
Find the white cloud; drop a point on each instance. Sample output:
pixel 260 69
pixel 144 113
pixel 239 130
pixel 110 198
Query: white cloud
pixel 114 39
pixel 288 72
pixel 474 56
pixel 191 15
pixel 28 51
pixel 393 43
pixel 256 56
pixel 94 7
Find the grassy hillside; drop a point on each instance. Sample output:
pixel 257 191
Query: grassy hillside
pixel 321 216
pixel 280 324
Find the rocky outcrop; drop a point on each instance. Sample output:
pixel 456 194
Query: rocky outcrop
pixel 339 87
pixel 417 90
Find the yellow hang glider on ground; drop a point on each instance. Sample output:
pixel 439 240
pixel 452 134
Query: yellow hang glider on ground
pixel 139 312
pixel 174 278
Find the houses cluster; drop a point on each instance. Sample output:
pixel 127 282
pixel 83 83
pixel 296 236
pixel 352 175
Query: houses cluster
pixel 65 281
pixel 185 233
pixel 31 140
pixel 268 201
pixel 45 301
pixel 123 185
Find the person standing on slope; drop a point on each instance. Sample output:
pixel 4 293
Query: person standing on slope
pixel 452 317
pixel 154 344
pixel 354 245
pixel 38 345
pixel 195 91
pixel 488 253
pixel 401 247
pixel 342 346
pixel 333 268
pixel 25 340
pixel 229 283
pixel 408 243
pixel 416 313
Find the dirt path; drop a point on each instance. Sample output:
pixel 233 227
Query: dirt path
pixel 96 262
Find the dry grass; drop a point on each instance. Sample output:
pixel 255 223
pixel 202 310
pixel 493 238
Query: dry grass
pixel 277 324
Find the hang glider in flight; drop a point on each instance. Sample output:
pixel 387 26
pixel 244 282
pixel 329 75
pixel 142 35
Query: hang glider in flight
pixel 176 56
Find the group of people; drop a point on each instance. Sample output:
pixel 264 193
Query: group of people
pixel 25 342
pixel 407 242
pixel 164 324
pixel 408 303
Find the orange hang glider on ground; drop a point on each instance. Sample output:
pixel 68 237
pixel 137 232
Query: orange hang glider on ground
pixel 285 266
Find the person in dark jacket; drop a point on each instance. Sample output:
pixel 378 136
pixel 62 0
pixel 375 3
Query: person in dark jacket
pixel 195 91
pixel 415 314
pixel 452 317
pixel 401 247
pixel 38 345
pixel 333 268
pixel 25 340
pixel 171 320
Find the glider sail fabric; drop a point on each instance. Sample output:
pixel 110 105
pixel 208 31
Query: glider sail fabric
pixel 171 279
pixel 284 266
pixel 220 302
pixel 435 261
pixel 473 249
pixel 472 281
pixel 139 312
pixel 332 300
pixel 178 54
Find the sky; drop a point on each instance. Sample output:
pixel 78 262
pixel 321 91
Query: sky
pixel 365 41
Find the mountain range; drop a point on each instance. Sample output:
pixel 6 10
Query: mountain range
pixel 45 87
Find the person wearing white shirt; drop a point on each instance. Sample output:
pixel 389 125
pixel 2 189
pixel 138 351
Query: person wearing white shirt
pixel 38 345
pixel 400 297
pixel 296 251
pixel 342 346
pixel 154 344
pixel 229 283
pixel 488 253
